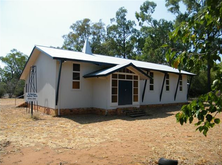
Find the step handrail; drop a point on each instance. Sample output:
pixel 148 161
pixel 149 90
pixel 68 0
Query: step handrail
pixel 18 97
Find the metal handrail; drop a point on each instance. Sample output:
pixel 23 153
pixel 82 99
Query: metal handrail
pixel 18 97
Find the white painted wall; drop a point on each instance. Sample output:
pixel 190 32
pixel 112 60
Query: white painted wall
pixel 46 80
pixel 182 95
pixel 94 92
pixel 101 92
pixel 76 98
pixel 152 97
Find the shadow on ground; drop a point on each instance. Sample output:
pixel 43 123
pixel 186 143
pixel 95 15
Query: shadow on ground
pixel 151 113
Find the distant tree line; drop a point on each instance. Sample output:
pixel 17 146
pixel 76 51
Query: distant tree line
pixel 10 74
pixel 153 41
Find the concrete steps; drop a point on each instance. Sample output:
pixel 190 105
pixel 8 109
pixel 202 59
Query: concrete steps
pixel 136 113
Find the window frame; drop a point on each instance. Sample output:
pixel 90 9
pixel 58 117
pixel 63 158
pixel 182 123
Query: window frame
pixel 181 84
pixel 167 86
pixel 127 75
pixel 76 71
pixel 151 84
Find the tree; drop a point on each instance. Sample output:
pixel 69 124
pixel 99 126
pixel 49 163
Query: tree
pixel 76 38
pixel 10 74
pixel 155 33
pixel 98 34
pixel 82 30
pixel 158 36
pixel 2 84
pixel 203 30
pixel 120 35
pixel 194 10
pixel 192 6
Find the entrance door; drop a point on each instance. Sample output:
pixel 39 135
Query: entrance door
pixel 125 92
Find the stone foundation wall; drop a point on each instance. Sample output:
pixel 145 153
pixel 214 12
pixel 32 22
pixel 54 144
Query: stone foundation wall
pixel 80 111
pixel 46 110
pixel 161 105
pixel 98 111
pixel 75 111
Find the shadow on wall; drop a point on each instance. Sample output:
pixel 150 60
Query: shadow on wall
pixel 151 113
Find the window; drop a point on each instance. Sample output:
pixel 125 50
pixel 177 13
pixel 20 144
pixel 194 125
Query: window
pixel 152 81
pixel 125 70
pixel 114 88
pixel 135 89
pixel 167 82
pixel 76 76
pixel 181 83
pixel 124 74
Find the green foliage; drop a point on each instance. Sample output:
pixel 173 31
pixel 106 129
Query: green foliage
pixel 10 74
pixel 205 108
pixel 199 83
pixel 19 90
pixel 191 6
pixel 83 29
pixel 120 35
pixel 158 35
pixel 2 89
pixel 145 14
pixel 76 38
pixel 203 31
pixel 98 35
pixel 154 34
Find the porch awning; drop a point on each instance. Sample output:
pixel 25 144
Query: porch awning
pixel 108 71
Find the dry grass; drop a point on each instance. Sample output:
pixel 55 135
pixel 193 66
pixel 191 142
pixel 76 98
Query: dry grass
pixel 92 139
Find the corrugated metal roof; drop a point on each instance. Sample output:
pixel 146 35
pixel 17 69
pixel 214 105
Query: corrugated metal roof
pixel 95 58
pixel 108 71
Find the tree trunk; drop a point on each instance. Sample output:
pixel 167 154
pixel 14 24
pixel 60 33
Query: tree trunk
pixel 124 43
pixel 208 74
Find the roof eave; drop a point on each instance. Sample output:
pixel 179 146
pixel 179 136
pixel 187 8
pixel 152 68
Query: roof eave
pixel 124 66
pixel 23 76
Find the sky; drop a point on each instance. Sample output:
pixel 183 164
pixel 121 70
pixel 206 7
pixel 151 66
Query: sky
pixel 26 23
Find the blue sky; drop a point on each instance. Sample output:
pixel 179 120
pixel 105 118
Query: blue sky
pixel 26 23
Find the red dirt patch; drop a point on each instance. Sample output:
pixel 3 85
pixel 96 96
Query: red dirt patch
pixel 92 139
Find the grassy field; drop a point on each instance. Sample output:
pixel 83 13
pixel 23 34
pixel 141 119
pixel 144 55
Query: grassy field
pixel 93 139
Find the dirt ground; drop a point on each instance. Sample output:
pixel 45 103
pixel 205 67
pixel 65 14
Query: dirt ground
pixel 93 139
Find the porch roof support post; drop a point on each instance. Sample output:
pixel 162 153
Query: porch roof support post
pixel 58 81
pixel 188 91
pixel 175 94
pixel 161 92
pixel 144 88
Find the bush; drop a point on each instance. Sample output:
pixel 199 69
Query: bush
pixel 199 84
pixel 2 89
pixel 19 90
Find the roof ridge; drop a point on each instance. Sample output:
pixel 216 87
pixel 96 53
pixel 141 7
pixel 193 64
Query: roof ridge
pixel 52 47
pixel 131 60
pixel 106 59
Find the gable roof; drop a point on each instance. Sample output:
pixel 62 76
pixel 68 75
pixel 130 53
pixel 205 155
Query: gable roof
pixel 68 55
pixel 108 71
